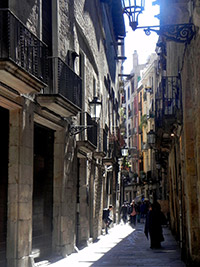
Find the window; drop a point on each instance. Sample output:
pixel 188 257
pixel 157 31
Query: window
pixel 94 87
pixel 128 92
pixel 132 87
pixel 129 129
pixel 129 111
pixel 81 65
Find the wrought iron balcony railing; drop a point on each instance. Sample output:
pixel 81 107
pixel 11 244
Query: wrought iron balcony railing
pixel 144 146
pixel 168 101
pixel 150 115
pixel 91 132
pixel 102 140
pixel 140 106
pixel 19 45
pixel 112 139
pixel 66 82
pixel 87 139
pixel 105 143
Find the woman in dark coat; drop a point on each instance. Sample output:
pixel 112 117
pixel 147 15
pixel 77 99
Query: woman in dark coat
pixel 153 226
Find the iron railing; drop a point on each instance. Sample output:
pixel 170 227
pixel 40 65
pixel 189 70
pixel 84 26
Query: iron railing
pixel 105 143
pixel 168 99
pixel 102 141
pixel 140 106
pixel 20 45
pixel 66 82
pixel 91 131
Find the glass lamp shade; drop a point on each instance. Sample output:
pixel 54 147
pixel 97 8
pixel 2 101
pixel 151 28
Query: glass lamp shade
pixel 133 8
pixel 95 106
pixel 134 4
pixel 124 152
pixel 151 137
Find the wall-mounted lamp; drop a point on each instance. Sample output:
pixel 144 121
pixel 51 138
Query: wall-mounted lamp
pixel 124 151
pixel 132 8
pixel 181 33
pixel 151 138
pixel 95 107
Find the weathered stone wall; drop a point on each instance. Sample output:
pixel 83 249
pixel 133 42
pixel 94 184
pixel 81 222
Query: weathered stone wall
pixel 77 25
pixel 184 178
pixel 191 97
pixel 83 234
pixel 98 204
pixel 20 186
pixel 68 203
pixel 28 12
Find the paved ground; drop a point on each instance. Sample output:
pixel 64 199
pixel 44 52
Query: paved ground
pixel 125 246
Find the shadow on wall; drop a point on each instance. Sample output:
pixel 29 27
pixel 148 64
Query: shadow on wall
pixel 90 8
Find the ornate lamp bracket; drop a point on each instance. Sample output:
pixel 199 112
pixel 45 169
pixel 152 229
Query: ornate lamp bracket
pixel 180 33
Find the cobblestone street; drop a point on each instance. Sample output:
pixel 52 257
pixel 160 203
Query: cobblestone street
pixel 125 246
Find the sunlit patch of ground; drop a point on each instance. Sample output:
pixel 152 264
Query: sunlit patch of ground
pixel 89 255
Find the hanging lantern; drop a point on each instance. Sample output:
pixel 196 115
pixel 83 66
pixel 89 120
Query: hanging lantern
pixel 95 106
pixel 132 8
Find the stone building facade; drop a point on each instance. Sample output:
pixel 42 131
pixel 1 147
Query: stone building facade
pixel 177 123
pixel 55 57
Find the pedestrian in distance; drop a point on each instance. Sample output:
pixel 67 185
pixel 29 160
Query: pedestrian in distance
pixel 106 217
pixel 133 213
pixel 144 208
pixel 153 225
pixel 138 211
pixel 124 212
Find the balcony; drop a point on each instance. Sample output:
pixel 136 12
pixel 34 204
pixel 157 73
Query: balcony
pixel 64 93
pixel 133 152
pixel 123 127
pixel 87 142
pixel 140 130
pixel 114 150
pixel 134 130
pixel 168 104
pixel 168 110
pixel 102 149
pixel 140 106
pixel 144 146
pixel 23 57
pixel 151 115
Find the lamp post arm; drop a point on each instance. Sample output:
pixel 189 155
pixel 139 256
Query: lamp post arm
pixel 78 129
pixel 180 33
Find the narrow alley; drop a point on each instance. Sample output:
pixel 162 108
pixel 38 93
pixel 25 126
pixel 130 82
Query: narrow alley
pixel 99 115
pixel 125 246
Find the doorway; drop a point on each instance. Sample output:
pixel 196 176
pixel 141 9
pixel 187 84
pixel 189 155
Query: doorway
pixel 42 192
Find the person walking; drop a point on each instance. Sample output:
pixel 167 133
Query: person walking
pixel 124 212
pixel 133 213
pixel 153 225
pixel 144 207
pixel 106 217
pixel 138 211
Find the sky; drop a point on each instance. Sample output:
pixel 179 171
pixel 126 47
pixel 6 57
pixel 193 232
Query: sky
pixel 138 40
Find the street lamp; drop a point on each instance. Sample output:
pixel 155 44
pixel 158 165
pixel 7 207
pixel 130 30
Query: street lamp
pixel 132 8
pixel 151 137
pixel 95 106
pixel 124 151
pixel 181 33
pixel 151 140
